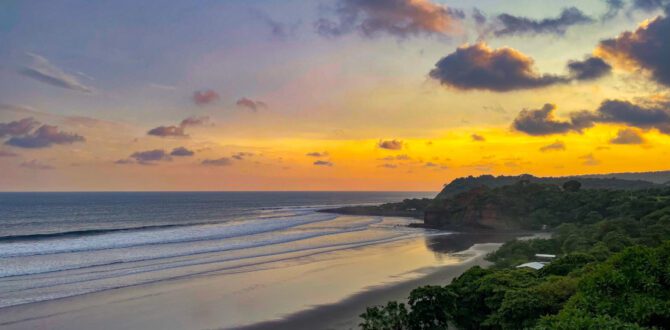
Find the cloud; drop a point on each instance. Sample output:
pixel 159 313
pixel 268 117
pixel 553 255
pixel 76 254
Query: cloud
pixel 36 165
pixel 250 104
pixel 44 137
pixel 182 152
pixel 317 154
pixel 167 131
pixel 224 161
pixel 589 160
pixel 242 155
pixel 591 68
pixel 540 122
pixel 390 166
pixel 627 136
pixel 613 8
pixel 399 18
pixel 205 97
pixel 479 16
pixel 323 163
pixel 624 112
pixel 397 157
pixel 478 138
pixel 150 156
pixel 124 161
pixel 646 48
pixel 482 68
pixel 19 127
pixel 278 29
pixel 556 146
pixel 5 153
pixel 507 24
pixel 179 131
pixel 42 70
pixel 390 144
pixel 650 5
pixel 194 121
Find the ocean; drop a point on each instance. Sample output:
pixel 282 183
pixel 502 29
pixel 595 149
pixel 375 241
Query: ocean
pixel 57 245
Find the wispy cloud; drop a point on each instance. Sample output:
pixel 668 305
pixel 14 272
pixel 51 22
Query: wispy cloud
pixel 399 18
pixel 250 104
pixel 44 71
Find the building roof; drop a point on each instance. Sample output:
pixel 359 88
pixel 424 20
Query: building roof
pixel 534 265
pixel 542 255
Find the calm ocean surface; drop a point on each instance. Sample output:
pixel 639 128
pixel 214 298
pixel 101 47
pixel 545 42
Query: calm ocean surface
pixel 55 245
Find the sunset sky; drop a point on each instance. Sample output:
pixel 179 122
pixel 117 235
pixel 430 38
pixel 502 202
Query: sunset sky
pixel 328 95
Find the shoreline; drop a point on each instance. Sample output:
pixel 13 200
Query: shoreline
pixel 328 294
pixel 345 313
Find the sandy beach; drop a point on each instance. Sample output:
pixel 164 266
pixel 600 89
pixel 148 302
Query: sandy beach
pixel 301 293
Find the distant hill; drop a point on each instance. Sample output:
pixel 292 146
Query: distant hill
pixel 660 177
pixel 606 181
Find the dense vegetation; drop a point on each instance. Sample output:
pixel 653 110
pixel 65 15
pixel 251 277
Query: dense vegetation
pixel 532 206
pixel 613 269
pixel 465 184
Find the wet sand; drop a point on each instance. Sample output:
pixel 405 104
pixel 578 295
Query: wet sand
pixel 345 314
pixel 326 291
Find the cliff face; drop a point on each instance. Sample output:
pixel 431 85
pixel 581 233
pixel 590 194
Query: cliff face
pixel 499 209
pixel 466 210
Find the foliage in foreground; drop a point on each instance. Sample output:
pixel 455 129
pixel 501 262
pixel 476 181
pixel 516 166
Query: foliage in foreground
pixel 613 273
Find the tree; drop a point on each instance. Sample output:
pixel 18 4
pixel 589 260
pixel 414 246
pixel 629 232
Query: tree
pixel 572 185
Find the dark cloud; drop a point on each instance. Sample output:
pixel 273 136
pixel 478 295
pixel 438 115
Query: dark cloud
pixel 42 70
pixel 613 8
pixel 482 68
pixel 179 131
pixel 540 122
pixel 317 154
pixel 323 163
pixel 399 18
pixel 19 127
pixel 478 138
pixel 591 68
pixel 627 136
pixel 224 161
pixel 250 104
pixel 36 165
pixel 194 121
pixel 556 146
pixel 168 131
pixel 650 5
pixel 478 16
pixel 624 112
pixel 242 155
pixel 5 153
pixel 205 97
pixel 390 144
pixel 507 24
pixel 182 152
pixel 647 48
pixel 44 137
pixel 150 156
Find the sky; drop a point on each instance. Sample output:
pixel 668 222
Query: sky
pixel 401 95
